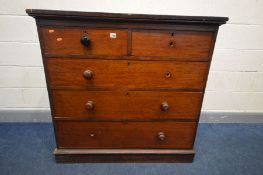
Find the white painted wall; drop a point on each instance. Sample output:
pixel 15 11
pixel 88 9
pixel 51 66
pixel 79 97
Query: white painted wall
pixel 236 77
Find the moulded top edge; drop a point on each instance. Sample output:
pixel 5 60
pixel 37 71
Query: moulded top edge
pixel 39 13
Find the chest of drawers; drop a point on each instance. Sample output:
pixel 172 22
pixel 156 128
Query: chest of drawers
pixel 125 87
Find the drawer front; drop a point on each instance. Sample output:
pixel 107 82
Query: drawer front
pixel 186 45
pixel 68 73
pixel 174 135
pixel 66 41
pixel 126 105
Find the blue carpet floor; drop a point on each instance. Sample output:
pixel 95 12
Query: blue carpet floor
pixel 232 149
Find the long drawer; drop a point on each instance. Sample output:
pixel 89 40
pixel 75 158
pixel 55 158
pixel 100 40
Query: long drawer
pixel 125 105
pixel 94 73
pixel 67 41
pixel 185 45
pixel 175 135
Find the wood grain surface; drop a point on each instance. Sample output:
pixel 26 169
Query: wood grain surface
pixel 125 134
pixel 125 87
pixel 66 41
pixel 68 73
pixel 187 45
pixel 126 105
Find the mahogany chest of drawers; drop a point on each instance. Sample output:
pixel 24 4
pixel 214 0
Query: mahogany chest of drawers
pixel 125 87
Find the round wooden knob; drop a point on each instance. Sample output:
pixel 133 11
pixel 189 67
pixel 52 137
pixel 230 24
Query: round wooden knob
pixel 88 74
pixel 85 41
pixel 161 136
pixel 89 105
pixel 164 106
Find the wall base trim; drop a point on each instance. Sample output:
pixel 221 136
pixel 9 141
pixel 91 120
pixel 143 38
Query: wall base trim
pixel 231 117
pixel 43 115
pixel 25 115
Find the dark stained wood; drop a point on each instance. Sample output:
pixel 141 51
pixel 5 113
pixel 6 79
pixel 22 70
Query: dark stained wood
pixel 68 73
pixel 104 135
pixel 193 46
pixel 124 155
pixel 63 23
pixel 126 105
pixel 67 41
pixel 139 58
pixel 117 17
pixel 131 98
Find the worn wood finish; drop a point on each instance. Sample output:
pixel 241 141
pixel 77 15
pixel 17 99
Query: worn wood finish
pixel 117 17
pixel 68 73
pixel 69 22
pixel 124 155
pixel 67 41
pixel 126 105
pixel 178 135
pixel 133 97
pixel 193 46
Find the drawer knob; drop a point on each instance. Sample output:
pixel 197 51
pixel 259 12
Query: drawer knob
pixel 164 106
pixel 161 136
pixel 85 41
pixel 90 105
pixel 88 74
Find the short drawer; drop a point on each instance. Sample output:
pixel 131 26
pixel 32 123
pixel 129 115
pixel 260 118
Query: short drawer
pixel 78 41
pixel 94 73
pixel 125 105
pixel 174 135
pixel 184 45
